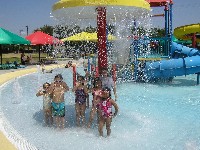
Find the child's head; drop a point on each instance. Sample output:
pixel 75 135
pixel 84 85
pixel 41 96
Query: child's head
pixel 80 78
pixel 106 92
pixel 97 82
pixel 58 78
pixel 46 85
pixel 104 72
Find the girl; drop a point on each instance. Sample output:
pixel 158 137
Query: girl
pixel 80 100
pixel 47 100
pixel 96 92
pixel 105 107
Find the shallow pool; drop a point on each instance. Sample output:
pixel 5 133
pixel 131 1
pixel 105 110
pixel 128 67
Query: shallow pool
pixel 162 116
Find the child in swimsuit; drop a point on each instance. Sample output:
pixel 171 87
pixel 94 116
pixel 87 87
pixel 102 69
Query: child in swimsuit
pixel 47 99
pixel 96 92
pixel 80 100
pixel 105 107
pixel 58 89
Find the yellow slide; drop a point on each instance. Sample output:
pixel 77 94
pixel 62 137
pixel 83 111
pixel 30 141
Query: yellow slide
pixel 183 32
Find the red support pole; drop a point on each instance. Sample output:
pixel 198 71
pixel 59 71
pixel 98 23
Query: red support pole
pixel 74 75
pixel 101 35
pixel 194 40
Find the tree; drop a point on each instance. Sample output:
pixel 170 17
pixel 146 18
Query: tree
pixel 90 29
pixel 61 31
pixel 157 32
pixel 46 29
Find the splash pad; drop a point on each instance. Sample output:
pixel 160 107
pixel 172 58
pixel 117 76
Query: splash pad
pixel 152 116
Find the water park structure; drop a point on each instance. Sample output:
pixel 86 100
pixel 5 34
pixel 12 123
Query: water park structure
pixel 174 60
pixel 167 60
pixel 183 60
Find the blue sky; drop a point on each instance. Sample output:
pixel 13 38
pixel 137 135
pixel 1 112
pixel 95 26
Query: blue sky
pixel 15 15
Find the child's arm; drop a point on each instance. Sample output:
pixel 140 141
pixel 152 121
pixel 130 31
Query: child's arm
pixel 39 93
pixel 115 106
pixel 85 89
pixel 86 93
pixel 75 87
pixel 65 87
pixel 50 89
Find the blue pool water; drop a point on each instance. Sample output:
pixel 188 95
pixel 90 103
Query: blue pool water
pixel 162 116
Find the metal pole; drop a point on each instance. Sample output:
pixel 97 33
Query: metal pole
pixel 27 34
pixel 39 52
pixel 27 30
pixel 170 46
pixel 198 78
pixel 166 28
pixel 89 64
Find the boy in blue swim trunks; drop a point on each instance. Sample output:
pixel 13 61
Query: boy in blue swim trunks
pixel 58 88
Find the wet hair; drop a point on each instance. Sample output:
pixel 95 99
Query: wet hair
pixel 96 79
pixel 46 83
pixel 95 83
pixel 80 78
pixel 58 76
pixel 107 89
pixel 105 69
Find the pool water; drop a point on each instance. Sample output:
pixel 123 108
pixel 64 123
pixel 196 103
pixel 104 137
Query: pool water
pixel 160 116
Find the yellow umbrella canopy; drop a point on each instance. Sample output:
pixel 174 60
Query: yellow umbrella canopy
pixel 75 3
pixel 85 36
pixel 86 9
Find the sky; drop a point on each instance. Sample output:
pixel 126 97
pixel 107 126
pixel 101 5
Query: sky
pixel 15 15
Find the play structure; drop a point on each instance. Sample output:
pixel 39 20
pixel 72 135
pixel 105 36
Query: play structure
pixel 169 58
pixel 182 61
pixel 164 59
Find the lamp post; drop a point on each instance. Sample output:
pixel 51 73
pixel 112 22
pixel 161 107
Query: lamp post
pixel 27 33
pixel 27 30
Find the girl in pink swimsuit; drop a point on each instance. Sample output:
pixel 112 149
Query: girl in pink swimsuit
pixel 96 92
pixel 105 107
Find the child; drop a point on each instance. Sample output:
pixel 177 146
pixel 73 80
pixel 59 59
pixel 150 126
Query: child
pixel 80 100
pixel 46 104
pixel 58 89
pixel 105 107
pixel 96 99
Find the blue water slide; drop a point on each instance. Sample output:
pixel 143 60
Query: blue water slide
pixel 175 67
pixel 178 48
